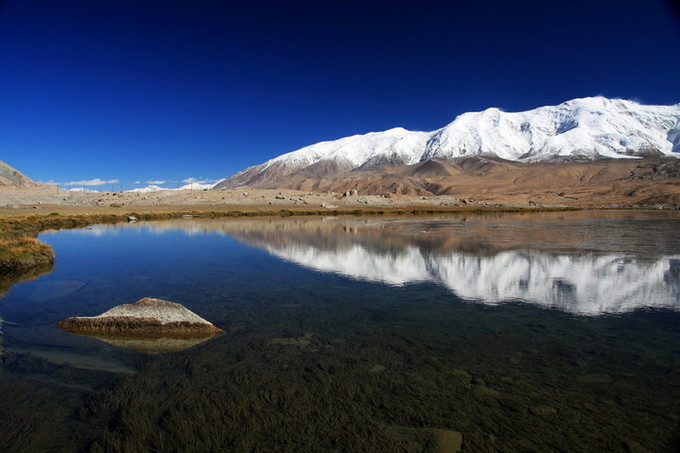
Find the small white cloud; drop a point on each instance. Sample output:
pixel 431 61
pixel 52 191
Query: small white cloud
pixel 88 182
pixel 197 181
pixel 153 182
pixel 83 190
pixel 92 182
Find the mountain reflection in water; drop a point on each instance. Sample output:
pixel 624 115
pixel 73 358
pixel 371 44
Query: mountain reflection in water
pixel 590 267
pixel 589 284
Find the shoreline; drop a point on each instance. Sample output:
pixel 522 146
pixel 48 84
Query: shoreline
pixel 30 213
pixel 31 223
pixel 31 220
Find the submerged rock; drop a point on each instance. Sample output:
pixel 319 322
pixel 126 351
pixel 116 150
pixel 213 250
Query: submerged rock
pixel 431 440
pixel 542 410
pixel 300 342
pixel 446 441
pixel 597 378
pixel 377 368
pixel 55 289
pixel 148 325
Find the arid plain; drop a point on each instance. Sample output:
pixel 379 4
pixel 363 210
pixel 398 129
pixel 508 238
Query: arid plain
pixel 439 186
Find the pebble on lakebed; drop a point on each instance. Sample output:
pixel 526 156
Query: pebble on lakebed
pixel 145 325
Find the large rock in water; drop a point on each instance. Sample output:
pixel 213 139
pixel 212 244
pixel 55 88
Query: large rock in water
pixel 148 325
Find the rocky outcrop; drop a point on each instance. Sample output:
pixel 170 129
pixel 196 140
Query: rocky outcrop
pixel 11 177
pixel 146 325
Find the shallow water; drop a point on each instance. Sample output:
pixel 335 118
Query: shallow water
pixel 522 332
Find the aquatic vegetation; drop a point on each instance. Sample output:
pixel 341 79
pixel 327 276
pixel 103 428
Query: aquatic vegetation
pixel 492 383
pixel 319 361
pixel 33 417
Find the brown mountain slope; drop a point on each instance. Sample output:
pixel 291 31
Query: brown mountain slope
pixel 13 178
pixel 621 181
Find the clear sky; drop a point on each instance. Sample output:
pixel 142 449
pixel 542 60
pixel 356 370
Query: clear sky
pixel 136 90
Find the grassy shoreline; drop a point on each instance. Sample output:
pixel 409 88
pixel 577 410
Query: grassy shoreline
pixel 30 225
pixel 20 250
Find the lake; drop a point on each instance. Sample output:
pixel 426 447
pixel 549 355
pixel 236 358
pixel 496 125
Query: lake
pixel 513 332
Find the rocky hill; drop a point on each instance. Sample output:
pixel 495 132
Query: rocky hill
pixel 13 178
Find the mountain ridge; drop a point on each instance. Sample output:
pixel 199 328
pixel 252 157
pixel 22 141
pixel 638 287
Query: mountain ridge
pixel 580 129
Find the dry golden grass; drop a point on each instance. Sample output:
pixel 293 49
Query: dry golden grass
pixel 21 254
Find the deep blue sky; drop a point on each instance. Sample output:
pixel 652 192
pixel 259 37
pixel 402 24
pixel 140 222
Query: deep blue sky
pixel 166 90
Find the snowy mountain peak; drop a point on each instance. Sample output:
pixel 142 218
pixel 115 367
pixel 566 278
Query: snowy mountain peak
pixel 584 128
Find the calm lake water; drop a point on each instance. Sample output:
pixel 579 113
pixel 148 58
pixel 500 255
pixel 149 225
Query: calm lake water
pixel 523 332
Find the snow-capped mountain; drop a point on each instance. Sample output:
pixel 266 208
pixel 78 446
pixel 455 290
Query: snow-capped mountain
pixel 588 128
pixel 156 188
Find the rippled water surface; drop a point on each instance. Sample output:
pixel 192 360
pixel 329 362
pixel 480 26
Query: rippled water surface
pixel 503 332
